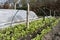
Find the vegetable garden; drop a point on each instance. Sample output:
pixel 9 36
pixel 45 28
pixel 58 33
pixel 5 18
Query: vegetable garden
pixel 37 29
pixel 32 26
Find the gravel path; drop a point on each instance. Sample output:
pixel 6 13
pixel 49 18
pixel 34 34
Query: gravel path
pixel 54 34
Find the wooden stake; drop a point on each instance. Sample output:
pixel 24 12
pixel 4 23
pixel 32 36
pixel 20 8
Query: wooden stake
pixel 54 13
pixel 50 12
pixel 15 6
pixel 27 21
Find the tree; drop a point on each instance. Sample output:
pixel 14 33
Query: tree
pixel 6 5
pixel 58 4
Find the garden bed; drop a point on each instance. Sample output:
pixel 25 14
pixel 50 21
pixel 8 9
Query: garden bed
pixel 20 32
pixel 45 31
pixel 54 34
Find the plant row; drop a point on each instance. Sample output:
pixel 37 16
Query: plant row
pixel 20 30
pixel 45 31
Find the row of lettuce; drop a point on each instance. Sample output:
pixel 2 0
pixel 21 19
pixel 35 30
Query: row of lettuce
pixel 20 30
pixel 45 31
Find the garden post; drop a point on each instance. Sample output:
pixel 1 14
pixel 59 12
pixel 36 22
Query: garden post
pixel 54 13
pixel 15 6
pixel 27 21
pixel 50 12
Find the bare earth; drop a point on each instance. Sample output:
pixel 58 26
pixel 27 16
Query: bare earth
pixel 54 34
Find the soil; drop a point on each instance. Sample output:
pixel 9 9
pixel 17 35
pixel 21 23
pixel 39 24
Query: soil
pixel 54 34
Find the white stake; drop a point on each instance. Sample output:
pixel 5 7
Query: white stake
pixel 15 6
pixel 54 13
pixel 27 21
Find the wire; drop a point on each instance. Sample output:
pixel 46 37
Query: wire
pixel 13 18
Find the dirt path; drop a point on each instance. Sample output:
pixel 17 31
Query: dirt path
pixel 54 34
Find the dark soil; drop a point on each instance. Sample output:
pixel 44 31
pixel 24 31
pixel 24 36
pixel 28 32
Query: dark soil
pixel 54 34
